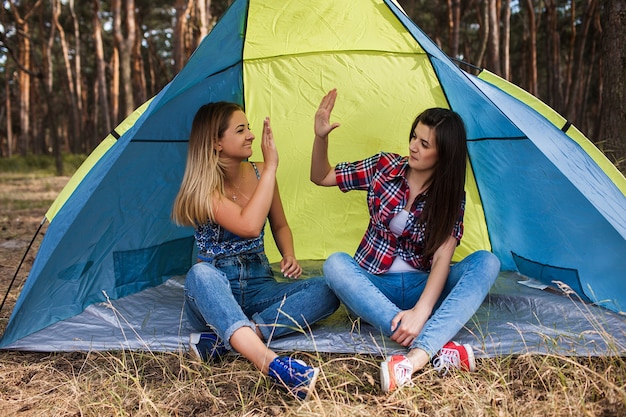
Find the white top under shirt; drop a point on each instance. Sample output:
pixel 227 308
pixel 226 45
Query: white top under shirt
pixel 396 225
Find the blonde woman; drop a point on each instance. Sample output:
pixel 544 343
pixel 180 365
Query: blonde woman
pixel 232 297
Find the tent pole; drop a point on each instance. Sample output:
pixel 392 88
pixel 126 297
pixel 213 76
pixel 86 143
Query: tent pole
pixel 30 245
pixel 460 62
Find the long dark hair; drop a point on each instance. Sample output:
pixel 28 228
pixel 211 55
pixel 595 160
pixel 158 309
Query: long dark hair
pixel 446 191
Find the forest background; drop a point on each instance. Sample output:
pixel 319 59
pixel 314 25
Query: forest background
pixel 70 71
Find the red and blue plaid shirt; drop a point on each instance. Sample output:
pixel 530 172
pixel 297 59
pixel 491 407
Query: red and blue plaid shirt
pixel 383 176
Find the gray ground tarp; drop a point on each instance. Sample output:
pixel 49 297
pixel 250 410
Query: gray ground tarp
pixel 514 319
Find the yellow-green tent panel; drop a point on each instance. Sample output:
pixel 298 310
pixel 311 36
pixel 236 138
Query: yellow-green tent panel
pixel 285 89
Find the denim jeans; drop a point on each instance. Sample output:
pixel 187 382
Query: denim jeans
pixel 378 298
pixel 240 290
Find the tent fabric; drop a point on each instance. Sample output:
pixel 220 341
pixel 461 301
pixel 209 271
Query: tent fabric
pixel 536 198
pixel 91 160
pixel 513 320
pixel 559 121
pixel 589 209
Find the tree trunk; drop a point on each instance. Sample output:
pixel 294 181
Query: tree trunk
pixel 440 18
pixel 24 136
pixel 115 86
pixel 493 43
pixel 531 70
pixel 24 62
pixel 51 119
pixel 454 22
pixel 126 61
pixel 71 86
pixel 555 98
pixel 2 116
pixel 125 41
pixel 101 90
pixel 456 35
pixel 506 40
pixel 81 119
pixel 613 111
pixel 204 18
pixel 9 111
pixel 180 28
pixel 483 7
pixel 585 117
pixel 151 66
pixel 571 53
pixel 582 65
pixel 139 73
pixel 196 13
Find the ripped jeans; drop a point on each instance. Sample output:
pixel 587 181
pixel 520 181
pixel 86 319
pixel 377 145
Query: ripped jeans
pixel 378 298
pixel 241 290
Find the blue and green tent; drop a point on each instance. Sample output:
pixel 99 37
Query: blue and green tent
pixel 540 195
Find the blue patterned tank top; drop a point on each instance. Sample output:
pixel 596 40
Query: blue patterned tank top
pixel 215 242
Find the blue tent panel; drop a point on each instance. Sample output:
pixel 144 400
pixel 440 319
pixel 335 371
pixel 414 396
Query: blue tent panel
pixel 134 225
pixel 552 213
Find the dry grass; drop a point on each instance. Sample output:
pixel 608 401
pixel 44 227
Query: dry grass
pixel 173 384
pixel 163 384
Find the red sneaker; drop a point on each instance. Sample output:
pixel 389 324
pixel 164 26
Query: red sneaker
pixel 456 356
pixel 395 372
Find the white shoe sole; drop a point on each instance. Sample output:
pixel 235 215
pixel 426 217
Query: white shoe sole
pixel 470 357
pixel 311 386
pixel 194 338
pixel 384 375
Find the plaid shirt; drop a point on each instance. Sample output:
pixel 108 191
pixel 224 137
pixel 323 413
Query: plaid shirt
pixel 383 177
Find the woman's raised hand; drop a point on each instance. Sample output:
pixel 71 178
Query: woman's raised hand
pixel 268 147
pixel 322 117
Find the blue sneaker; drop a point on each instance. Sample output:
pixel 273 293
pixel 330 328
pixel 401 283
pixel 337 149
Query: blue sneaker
pixel 295 375
pixel 206 346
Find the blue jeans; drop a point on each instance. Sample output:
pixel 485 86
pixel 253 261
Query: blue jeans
pixel 378 298
pixel 240 290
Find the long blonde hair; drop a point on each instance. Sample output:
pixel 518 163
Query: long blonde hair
pixel 204 172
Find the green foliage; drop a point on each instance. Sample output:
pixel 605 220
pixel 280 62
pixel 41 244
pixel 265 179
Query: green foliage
pixel 40 164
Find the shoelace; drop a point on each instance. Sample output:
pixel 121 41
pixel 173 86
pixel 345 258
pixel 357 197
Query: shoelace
pixel 300 371
pixel 445 360
pixel 403 375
